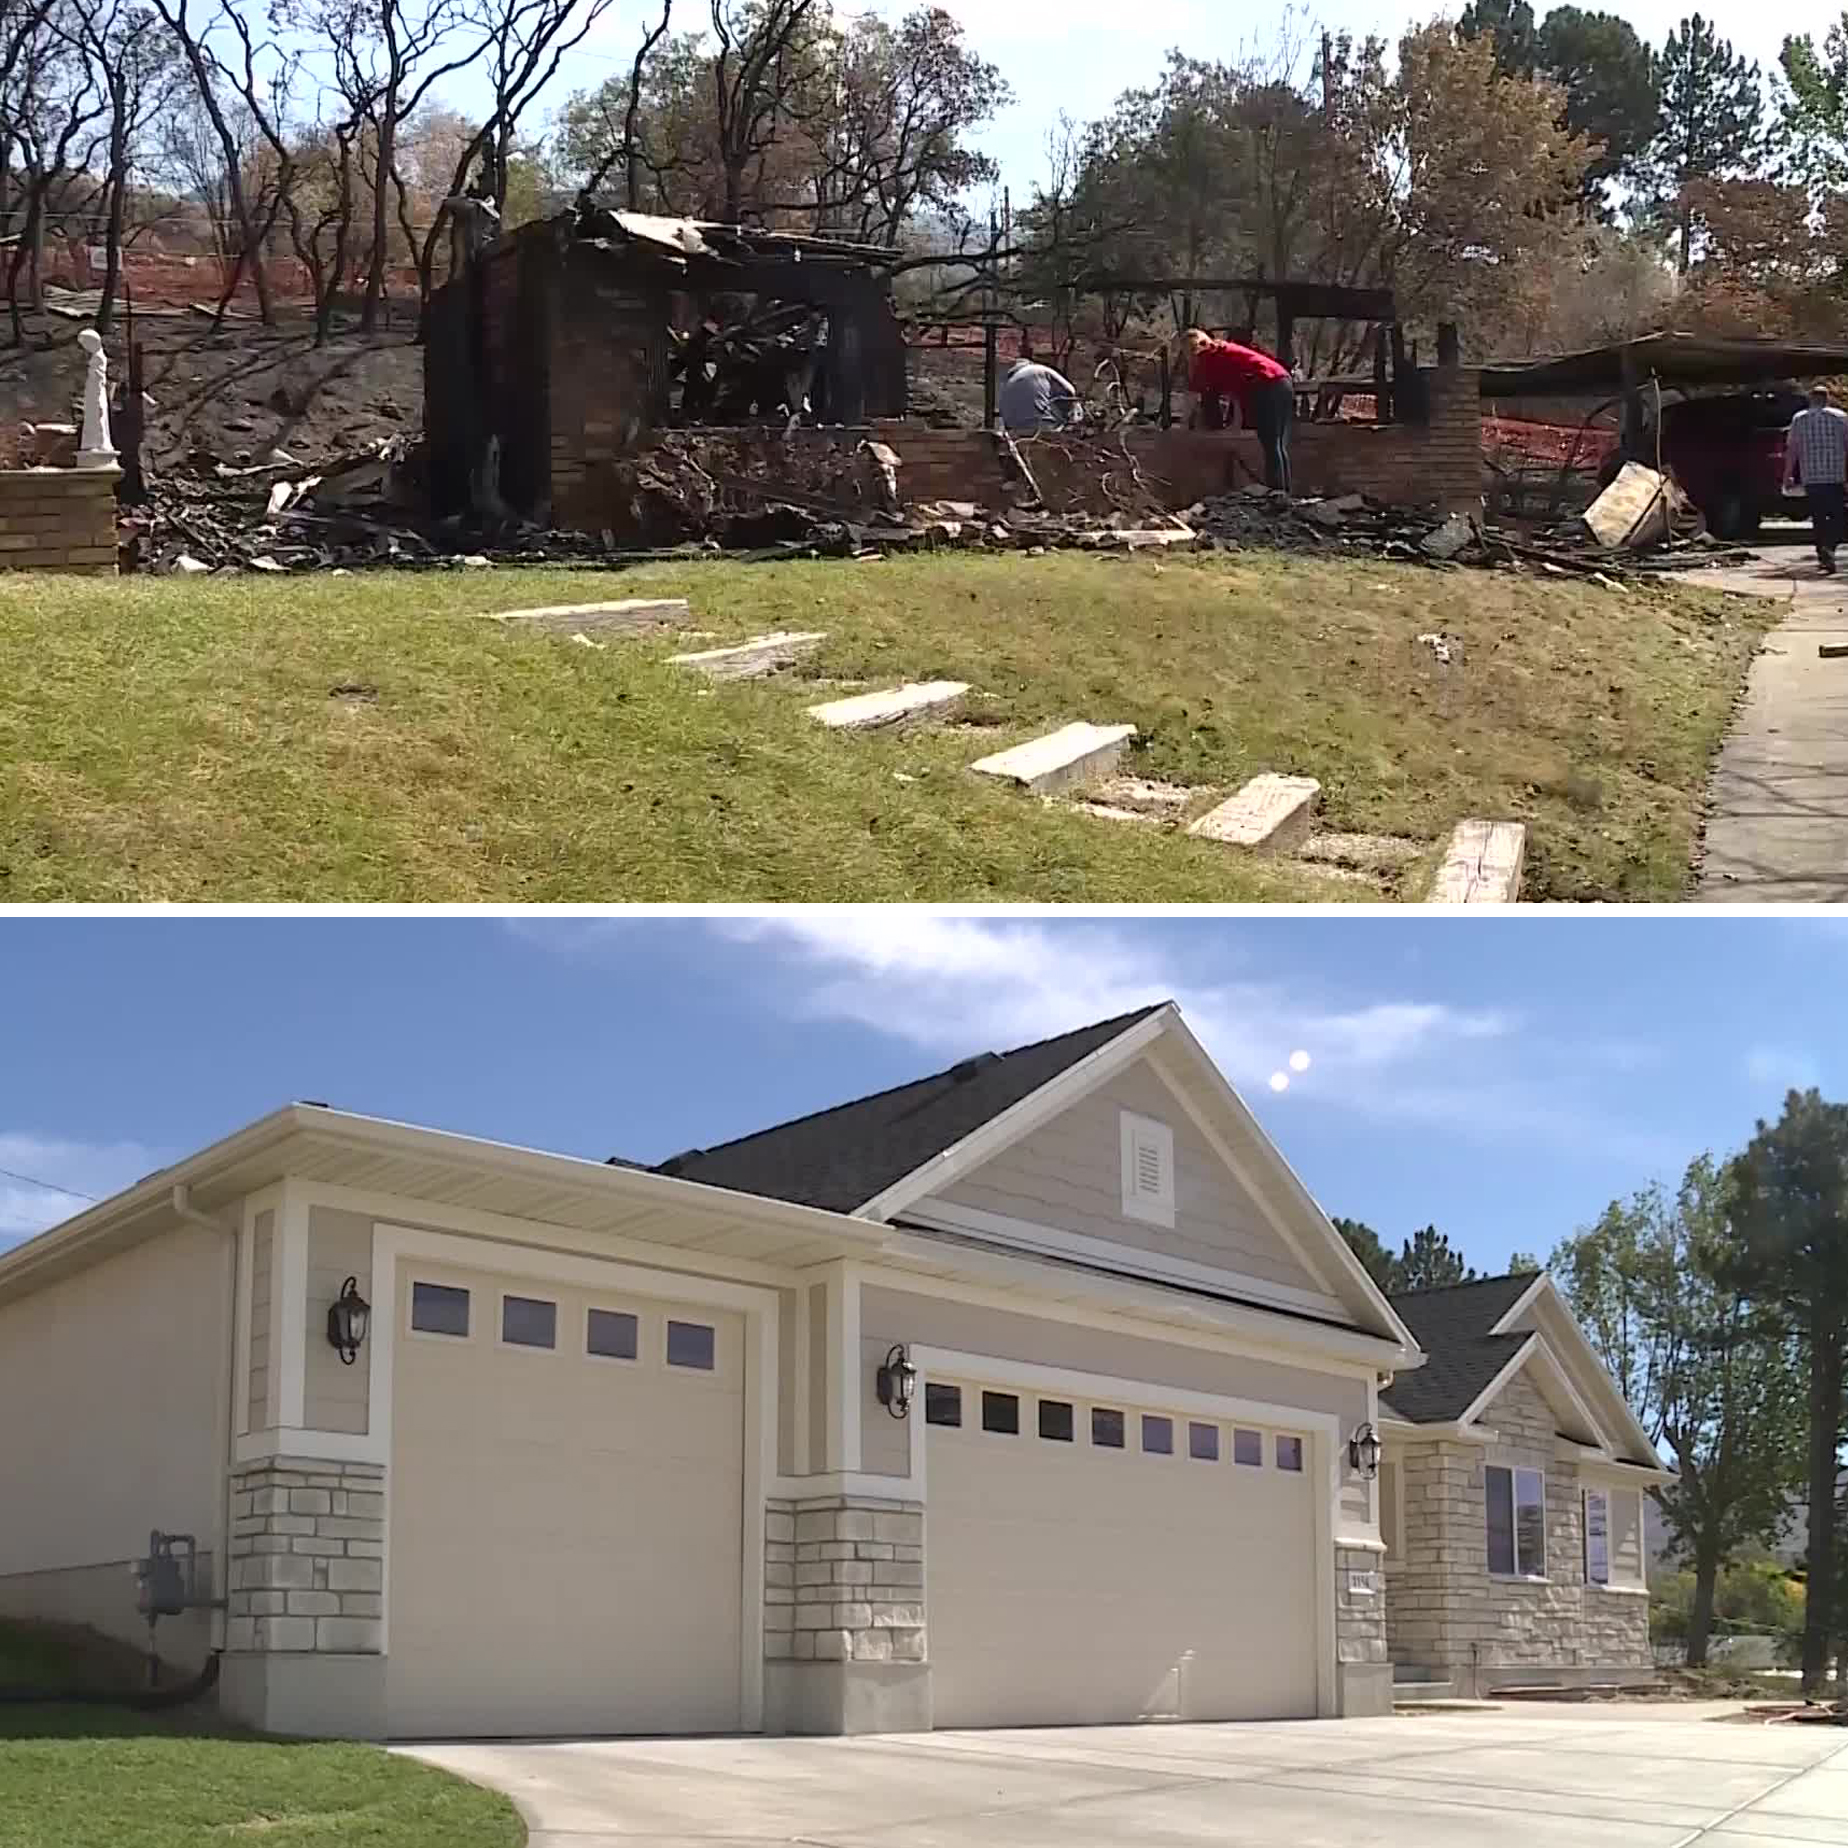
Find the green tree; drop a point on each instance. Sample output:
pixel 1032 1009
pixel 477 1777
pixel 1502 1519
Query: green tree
pixel 1709 123
pixel 1510 24
pixel 1611 85
pixel 1813 121
pixel 1521 1263
pixel 1426 1262
pixel 1365 1244
pixel 1789 1197
pixel 1705 1368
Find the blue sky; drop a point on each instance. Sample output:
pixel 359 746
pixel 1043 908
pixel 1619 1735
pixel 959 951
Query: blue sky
pixel 1078 55
pixel 1504 1079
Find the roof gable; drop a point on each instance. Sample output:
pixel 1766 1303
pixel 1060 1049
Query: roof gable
pixel 846 1157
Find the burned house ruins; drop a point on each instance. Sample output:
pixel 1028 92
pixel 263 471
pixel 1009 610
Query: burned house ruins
pixel 571 342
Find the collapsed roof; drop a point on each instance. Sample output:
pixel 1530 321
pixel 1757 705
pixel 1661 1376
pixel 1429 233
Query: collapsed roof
pixel 1674 358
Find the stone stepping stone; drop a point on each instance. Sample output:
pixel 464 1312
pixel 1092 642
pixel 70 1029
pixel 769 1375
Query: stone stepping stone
pixel 1273 813
pixel 890 706
pixel 628 615
pixel 753 658
pixel 1062 759
pixel 1481 865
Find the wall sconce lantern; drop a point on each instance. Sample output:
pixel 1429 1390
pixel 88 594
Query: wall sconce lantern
pixel 898 1382
pixel 1364 1452
pixel 347 1320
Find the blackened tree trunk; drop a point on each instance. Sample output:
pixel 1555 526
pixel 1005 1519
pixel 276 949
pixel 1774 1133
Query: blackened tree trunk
pixel 1700 1616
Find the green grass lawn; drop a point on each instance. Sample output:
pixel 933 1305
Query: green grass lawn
pixel 86 1776
pixel 170 739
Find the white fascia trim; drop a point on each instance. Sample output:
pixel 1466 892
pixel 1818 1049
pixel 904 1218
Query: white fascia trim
pixel 1543 1296
pixel 1019 1119
pixel 364 1133
pixel 1521 1304
pixel 1333 1245
pixel 1478 1405
pixel 1399 1431
pixel 1547 1362
pixel 1114 1304
pixel 1611 1472
pixel 1323 1464
pixel 1048 1241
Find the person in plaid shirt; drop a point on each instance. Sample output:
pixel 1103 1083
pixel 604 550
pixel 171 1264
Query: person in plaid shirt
pixel 1817 451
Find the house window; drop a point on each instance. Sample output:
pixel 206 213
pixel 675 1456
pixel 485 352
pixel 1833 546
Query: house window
pixel 943 1405
pixel 1248 1448
pixel 692 1344
pixel 1157 1435
pixel 1055 1420
pixel 611 1334
pixel 1001 1413
pixel 1106 1428
pixel 1148 1170
pixel 1203 1442
pixel 1597 1537
pixel 1290 1454
pixel 529 1321
pixel 439 1309
pixel 1516 1504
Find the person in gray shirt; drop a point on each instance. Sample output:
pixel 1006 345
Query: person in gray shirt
pixel 1034 397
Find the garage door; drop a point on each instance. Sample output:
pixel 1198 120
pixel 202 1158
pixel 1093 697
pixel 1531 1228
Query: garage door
pixel 565 1511
pixel 1093 1563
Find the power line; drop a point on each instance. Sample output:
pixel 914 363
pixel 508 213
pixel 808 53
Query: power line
pixel 49 1186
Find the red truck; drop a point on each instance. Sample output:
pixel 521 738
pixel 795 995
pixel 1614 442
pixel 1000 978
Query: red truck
pixel 1728 454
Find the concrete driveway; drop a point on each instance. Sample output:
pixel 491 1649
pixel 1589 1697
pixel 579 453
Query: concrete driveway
pixel 1521 1777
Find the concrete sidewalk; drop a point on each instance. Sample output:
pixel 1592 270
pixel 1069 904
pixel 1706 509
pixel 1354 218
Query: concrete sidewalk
pixel 1777 825
pixel 1553 1777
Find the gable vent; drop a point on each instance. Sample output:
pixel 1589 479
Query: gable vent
pixel 1148 1170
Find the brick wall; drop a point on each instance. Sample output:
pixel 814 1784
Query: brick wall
pixel 58 519
pixel 844 1580
pixel 1443 1608
pixel 307 1557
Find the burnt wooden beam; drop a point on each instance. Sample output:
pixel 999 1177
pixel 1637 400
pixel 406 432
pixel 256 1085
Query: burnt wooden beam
pixel 1304 300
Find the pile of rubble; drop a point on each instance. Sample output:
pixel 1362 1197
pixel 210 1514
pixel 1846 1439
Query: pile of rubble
pixel 1255 517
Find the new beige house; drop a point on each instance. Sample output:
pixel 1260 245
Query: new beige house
pixel 1036 1391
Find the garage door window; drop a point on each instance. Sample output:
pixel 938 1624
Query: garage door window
pixel 1001 1413
pixel 1248 1448
pixel 1203 1443
pixel 692 1344
pixel 1157 1435
pixel 439 1309
pixel 529 1321
pixel 1055 1420
pixel 1290 1453
pixel 943 1405
pixel 1106 1428
pixel 612 1334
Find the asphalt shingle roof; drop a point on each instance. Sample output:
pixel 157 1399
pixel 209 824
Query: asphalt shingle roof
pixel 843 1157
pixel 1452 1326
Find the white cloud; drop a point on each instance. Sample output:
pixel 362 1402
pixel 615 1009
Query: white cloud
pixel 1785 1067
pixel 91 1170
pixel 956 985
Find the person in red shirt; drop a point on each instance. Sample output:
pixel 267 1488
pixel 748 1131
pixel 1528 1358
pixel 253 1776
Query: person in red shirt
pixel 1261 388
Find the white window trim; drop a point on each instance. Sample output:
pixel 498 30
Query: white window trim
pixel 1151 1209
pixel 1515 1472
pixel 525 1347
pixel 414 1333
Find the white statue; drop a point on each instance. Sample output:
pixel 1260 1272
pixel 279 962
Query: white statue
pixel 95 451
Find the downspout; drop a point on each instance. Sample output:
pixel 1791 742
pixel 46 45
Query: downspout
pixel 184 1210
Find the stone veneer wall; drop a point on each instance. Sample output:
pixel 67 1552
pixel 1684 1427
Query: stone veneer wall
pixel 1444 1610
pixel 58 519
pixel 307 1557
pixel 844 1580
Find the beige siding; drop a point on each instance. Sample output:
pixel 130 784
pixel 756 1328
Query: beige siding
pixel 786 1307
pixel 334 1397
pixel 1068 1175
pixel 887 1316
pixel 113 1381
pixel 262 1271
